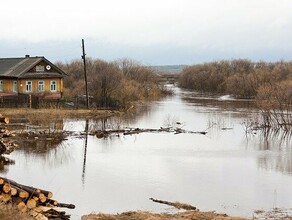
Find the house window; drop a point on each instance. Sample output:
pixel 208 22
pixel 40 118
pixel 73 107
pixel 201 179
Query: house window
pixel 14 86
pixel 53 86
pixel 28 85
pixel 41 86
pixel 1 85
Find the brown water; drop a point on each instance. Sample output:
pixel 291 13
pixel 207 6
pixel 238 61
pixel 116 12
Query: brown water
pixel 225 170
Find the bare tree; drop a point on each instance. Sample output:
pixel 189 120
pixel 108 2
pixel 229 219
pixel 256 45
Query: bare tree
pixel 105 82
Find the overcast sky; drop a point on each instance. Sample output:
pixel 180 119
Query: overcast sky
pixel 153 32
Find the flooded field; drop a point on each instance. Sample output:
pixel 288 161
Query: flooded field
pixel 227 169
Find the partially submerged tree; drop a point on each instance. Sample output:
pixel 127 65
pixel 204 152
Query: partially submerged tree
pixel 275 103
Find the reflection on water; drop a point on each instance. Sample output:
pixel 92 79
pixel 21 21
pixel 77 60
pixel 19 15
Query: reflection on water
pixel 4 164
pixel 219 103
pixel 278 162
pixel 225 170
pixel 274 140
pixel 276 148
pixel 85 149
pixel 48 148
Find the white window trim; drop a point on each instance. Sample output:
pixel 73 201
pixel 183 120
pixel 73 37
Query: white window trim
pixel 53 83
pixel 43 86
pixel 14 86
pixel 26 86
pixel 1 85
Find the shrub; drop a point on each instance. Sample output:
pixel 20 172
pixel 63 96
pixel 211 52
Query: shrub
pixel 275 103
pixel 241 78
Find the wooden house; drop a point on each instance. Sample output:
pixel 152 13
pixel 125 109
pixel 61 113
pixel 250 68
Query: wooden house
pixel 30 75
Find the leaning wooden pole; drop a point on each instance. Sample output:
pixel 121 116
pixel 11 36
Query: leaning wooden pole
pixel 85 74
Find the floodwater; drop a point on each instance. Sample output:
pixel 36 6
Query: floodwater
pixel 227 170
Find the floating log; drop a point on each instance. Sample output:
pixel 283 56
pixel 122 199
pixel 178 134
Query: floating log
pixel 132 131
pixel 177 205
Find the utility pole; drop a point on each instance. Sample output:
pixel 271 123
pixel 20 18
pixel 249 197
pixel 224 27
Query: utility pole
pixel 85 74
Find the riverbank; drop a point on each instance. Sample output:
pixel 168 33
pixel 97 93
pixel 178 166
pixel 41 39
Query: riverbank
pixel 8 212
pixel 57 113
pixel 139 215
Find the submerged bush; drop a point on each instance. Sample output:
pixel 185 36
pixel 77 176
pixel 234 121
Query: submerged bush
pixel 275 103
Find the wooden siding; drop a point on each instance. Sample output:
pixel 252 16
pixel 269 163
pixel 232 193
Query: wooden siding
pixel 21 85
pixel 43 64
pixel 22 89
pixel 8 85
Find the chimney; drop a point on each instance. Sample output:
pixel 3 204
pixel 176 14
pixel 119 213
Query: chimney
pixel 26 56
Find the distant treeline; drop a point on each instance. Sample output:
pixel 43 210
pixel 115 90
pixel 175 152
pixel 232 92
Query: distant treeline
pixel 241 78
pixel 111 84
pixel 269 83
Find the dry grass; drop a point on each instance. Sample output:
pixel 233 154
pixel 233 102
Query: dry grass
pixel 9 212
pixel 189 215
pixel 56 113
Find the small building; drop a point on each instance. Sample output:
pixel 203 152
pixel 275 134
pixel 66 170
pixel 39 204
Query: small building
pixel 30 75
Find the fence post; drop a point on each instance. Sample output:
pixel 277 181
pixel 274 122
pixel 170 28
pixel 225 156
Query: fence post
pixel 76 102
pixel 29 101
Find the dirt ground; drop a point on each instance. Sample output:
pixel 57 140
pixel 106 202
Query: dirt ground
pixel 139 215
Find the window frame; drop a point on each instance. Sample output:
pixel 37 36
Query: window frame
pixel 28 86
pixel 53 86
pixel 14 86
pixel 41 85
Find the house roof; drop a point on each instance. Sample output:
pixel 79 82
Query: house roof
pixel 19 67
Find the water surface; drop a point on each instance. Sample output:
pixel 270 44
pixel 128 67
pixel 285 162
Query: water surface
pixel 225 170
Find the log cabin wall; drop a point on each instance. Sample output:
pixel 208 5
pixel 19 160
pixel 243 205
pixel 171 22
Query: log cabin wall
pixel 8 85
pixel 35 83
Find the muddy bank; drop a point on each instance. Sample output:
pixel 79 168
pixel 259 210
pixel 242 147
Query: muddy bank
pixel 139 215
pixel 57 113
pixel 9 212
